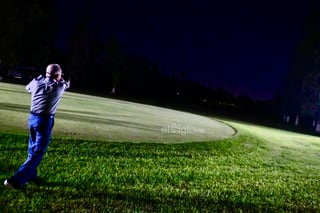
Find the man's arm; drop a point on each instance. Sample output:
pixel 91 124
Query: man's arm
pixel 32 84
pixel 66 83
pixel 29 86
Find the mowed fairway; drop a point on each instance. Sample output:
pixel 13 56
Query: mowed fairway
pixel 89 117
pixel 115 156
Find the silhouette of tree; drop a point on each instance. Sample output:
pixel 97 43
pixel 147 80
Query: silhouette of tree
pixel 301 87
pixel 27 31
pixel 79 50
pixel 115 61
pixel 78 58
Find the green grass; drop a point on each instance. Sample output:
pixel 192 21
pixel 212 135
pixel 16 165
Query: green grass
pixel 94 118
pixel 258 170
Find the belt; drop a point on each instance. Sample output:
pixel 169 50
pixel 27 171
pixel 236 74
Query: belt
pixel 42 114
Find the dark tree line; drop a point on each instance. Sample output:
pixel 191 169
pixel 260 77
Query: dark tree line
pixel 300 97
pixel 27 32
pixel 28 37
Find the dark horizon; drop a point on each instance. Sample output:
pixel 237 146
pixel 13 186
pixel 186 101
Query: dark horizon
pixel 244 47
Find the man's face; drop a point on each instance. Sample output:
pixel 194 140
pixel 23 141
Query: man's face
pixel 59 76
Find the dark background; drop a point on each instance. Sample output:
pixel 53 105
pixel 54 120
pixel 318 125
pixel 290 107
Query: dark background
pixel 254 59
pixel 242 46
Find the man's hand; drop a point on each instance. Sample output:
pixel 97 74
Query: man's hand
pixel 68 82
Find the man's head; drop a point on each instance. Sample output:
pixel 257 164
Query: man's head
pixel 54 71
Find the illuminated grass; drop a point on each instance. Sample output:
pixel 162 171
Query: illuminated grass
pixel 236 174
pixel 88 117
pixel 258 170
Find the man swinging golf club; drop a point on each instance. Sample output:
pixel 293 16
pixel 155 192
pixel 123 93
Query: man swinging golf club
pixel 46 93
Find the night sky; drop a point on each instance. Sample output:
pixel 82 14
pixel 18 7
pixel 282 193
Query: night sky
pixel 243 46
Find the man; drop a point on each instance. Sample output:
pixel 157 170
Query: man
pixel 46 93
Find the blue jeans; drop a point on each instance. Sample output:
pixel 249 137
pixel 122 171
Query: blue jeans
pixel 40 135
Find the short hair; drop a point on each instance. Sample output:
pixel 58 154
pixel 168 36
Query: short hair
pixel 52 70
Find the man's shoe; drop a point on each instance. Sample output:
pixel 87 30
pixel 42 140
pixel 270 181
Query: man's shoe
pixel 12 184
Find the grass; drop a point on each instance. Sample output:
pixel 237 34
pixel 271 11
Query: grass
pixel 96 118
pixel 257 170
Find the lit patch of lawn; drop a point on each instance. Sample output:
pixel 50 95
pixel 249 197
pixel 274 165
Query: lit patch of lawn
pixel 242 173
pixel 95 118
pixel 92 166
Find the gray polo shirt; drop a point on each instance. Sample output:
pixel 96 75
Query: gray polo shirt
pixel 46 94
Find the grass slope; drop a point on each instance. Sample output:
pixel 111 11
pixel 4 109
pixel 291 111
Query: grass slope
pixel 258 170
pixel 88 117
